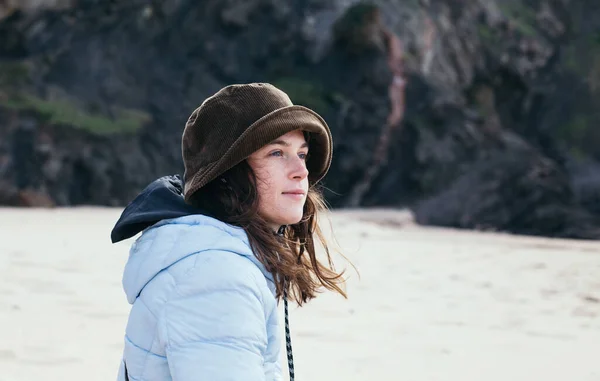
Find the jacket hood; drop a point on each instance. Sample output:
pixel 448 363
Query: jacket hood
pixel 162 199
pixel 170 241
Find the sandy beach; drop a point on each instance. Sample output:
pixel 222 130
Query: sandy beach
pixel 430 304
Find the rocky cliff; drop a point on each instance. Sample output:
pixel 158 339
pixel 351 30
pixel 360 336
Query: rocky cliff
pixel 475 114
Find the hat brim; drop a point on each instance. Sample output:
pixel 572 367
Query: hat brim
pixel 264 131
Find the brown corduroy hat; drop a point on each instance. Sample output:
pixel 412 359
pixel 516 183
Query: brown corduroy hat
pixel 240 119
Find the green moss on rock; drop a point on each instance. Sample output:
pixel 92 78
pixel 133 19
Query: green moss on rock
pixel 523 17
pixel 305 93
pixel 63 112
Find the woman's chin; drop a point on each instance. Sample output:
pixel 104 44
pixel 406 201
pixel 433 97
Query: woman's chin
pixel 291 219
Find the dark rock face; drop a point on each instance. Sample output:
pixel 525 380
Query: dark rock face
pixel 522 192
pixel 498 131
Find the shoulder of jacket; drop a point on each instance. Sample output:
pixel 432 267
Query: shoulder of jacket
pixel 215 269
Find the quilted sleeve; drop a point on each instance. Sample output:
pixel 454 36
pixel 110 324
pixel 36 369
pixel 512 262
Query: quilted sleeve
pixel 214 327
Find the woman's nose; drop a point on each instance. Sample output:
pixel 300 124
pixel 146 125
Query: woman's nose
pixel 299 170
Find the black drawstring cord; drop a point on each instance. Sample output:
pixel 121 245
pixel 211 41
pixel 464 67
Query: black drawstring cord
pixel 288 337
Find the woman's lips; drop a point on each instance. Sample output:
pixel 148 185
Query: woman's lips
pixel 297 195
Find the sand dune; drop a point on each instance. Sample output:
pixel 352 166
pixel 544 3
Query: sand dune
pixel 431 304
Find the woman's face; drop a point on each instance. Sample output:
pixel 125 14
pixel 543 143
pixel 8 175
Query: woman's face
pixel 282 179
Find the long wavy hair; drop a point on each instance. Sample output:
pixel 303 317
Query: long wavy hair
pixel 290 257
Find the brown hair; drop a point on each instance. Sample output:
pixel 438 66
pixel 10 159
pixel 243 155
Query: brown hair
pixel 290 258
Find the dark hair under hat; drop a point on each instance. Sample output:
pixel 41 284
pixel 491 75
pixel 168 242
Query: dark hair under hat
pixel 240 119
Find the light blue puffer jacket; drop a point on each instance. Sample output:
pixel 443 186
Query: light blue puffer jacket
pixel 204 307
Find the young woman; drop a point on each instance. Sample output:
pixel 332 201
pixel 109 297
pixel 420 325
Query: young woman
pixel 222 247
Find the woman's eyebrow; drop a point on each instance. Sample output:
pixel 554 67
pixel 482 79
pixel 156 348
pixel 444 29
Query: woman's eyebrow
pixel 286 144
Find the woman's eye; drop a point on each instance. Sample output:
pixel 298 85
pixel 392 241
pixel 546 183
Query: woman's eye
pixel 303 156
pixel 277 153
